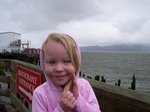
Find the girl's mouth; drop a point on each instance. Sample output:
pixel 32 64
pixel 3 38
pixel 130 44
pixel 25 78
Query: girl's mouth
pixel 60 78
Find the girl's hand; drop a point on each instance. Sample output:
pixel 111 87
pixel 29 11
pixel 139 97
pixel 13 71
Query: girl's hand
pixel 75 86
pixel 72 86
pixel 67 101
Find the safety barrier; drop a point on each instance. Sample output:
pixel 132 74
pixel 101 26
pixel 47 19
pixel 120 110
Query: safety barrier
pixel 111 98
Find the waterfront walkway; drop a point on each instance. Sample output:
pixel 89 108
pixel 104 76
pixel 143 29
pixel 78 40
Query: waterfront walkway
pixel 111 98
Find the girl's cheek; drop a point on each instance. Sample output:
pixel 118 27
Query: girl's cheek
pixel 48 70
pixel 71 70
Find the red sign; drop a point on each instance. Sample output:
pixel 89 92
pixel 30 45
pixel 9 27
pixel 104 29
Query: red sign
pixel 27 81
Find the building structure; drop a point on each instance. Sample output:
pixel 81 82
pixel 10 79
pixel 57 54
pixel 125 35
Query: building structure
pixel 33 51
pixel 10 42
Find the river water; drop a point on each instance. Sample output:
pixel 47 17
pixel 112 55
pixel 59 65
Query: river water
pixel 119 65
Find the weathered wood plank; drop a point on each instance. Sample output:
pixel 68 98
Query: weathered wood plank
pixel 5 79
pixel 5 92
pixel 13 85
pixel 117 99
pixel 18 104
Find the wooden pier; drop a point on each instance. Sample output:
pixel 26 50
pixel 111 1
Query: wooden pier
pixel 111 98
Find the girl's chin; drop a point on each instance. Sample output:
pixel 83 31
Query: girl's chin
pixel 61 83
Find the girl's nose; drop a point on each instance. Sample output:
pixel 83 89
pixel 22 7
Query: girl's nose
pixel 59 67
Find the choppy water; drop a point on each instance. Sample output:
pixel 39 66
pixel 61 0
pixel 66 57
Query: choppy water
pixel 114 66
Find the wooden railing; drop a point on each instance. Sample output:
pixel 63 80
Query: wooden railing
pixel 16 99
pixel 6 91
pixel 111 98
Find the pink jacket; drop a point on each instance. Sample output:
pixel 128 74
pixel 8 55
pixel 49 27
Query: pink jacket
pixel 46 96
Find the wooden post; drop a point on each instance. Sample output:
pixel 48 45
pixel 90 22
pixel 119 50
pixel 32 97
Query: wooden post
pixel 119 82
pixel 133 83
pixel 80 73
pixel 97 77
pixel 103 79
pixel 83 75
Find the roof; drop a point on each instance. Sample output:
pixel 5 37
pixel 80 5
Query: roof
pixel 10 32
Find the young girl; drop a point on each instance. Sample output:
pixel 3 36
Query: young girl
pixel 63 90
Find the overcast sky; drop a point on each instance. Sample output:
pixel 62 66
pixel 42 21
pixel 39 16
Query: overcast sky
pixel 90 22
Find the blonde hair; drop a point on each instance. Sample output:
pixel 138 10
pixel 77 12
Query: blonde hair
pixel 70 46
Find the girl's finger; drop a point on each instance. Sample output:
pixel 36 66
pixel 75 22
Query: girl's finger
pixel 75 86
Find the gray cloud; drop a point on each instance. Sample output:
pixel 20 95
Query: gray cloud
pixel 40 15
pixel 91 22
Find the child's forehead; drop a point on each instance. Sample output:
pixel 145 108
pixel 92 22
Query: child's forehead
pixel 49 56
pixel 55 50
pixel 52 43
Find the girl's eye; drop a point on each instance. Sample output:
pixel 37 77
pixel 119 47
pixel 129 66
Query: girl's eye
pixel 51 62
pixel 67 61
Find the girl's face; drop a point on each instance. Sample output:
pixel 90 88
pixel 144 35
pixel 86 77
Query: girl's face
pixel 57 64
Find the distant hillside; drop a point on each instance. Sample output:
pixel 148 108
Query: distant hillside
pixel 120 48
